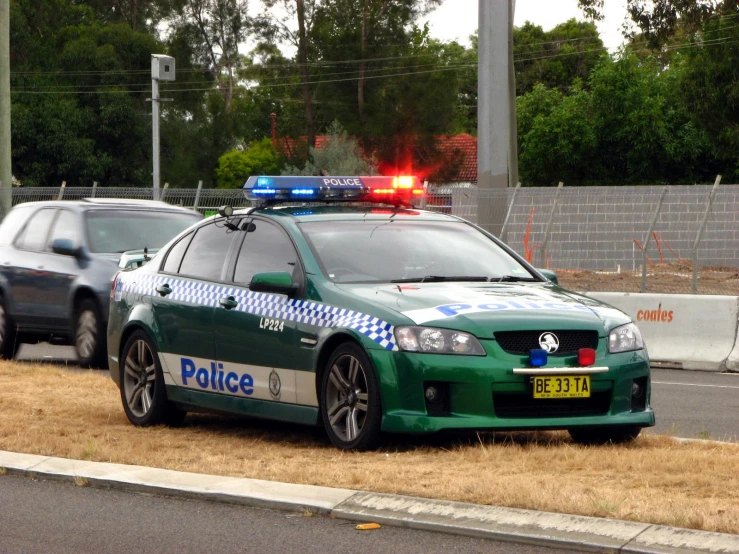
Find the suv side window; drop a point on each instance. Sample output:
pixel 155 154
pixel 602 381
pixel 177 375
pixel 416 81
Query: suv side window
pixel 66 226
pixel 34 235
pixel 206 256
pixel 266 248
pixel 13 223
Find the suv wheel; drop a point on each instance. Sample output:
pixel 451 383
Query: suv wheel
pixel 350 400
pixel 89 335
pixel 8 338
pixel 142 385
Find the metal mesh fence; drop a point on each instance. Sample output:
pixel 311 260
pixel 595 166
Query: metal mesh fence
pixel 596 237
pixel 676 239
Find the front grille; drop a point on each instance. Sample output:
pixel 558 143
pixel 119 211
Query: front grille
pixel 519 404
pixel 522 342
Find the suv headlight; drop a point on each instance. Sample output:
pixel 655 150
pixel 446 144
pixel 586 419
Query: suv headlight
pixel 437 341
pixel 625 339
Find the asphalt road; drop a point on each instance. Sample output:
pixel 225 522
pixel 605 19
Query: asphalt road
pixel 58 517
pixel 688 404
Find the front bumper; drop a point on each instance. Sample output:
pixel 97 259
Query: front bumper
pixel 483 393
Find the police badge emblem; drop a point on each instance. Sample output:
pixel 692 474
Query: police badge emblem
pixel 274 384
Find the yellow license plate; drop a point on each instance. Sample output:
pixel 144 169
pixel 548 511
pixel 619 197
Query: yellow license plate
pixel 562 386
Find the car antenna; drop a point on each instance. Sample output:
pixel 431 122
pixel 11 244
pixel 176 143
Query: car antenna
pixel 146 254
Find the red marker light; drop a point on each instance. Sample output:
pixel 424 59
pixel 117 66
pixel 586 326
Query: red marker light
pixel 586 356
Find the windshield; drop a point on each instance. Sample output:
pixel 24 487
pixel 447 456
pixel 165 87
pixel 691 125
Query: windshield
pixel 122 230
pixel 402 251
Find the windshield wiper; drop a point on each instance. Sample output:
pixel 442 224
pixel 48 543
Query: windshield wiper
pixel 510 279
pixel 439 279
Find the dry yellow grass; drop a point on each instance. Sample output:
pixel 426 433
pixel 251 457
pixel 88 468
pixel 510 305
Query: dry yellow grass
pixel 49 411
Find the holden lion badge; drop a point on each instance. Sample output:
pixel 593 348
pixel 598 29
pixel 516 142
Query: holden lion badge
pixel 549 342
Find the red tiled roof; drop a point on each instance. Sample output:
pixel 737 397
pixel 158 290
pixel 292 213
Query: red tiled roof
pixel 459 152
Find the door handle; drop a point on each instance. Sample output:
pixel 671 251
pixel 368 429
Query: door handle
pixel 163 290
pixel 229 302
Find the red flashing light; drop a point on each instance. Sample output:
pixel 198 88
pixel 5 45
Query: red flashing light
pixel 586 356
pixel 404 182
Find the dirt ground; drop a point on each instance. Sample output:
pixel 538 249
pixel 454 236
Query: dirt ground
pixel 673 278
pixel 50 411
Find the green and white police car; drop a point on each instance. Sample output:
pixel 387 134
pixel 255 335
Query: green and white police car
pixel 367 319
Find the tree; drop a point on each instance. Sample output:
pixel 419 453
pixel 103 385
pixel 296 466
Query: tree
pixel 339 155
pixel 214 29
pixel 236 166
pixel 273 27
pixel 79 111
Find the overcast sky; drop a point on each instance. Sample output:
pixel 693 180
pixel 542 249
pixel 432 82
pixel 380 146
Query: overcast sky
pixel 457 19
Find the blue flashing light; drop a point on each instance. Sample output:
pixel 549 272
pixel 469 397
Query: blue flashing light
pixel 538 357
pixel 308 188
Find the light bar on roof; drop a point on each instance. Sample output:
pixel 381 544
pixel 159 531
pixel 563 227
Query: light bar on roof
pixel 398 190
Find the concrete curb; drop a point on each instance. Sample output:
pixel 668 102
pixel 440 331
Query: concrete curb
pixel 492 522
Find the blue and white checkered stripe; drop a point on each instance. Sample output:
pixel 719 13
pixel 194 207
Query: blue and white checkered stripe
pixel 265 305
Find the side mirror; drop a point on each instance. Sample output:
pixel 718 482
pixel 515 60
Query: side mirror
pixel 65 247
pixel 278 282
pixel 549 275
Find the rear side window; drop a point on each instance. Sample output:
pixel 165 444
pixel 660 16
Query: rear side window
pixel 34 235
pixel 206 256
pixel 13 223
pixel 174 257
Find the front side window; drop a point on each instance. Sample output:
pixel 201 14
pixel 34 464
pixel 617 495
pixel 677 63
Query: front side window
pixel 265 248
pixel 206 255
pixel 396 250
pixel 117 231
pixel 65 227
pixel 34 235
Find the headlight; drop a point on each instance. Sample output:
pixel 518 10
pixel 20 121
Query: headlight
pixel 625 339
pixel 438 341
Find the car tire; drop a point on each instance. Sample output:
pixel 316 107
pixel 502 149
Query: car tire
pixel 143 393
pixel 350 400
pixel 603 435
pixel 8 337
pixel 89 335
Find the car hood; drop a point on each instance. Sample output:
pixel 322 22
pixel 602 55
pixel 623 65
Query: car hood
pixel 484 308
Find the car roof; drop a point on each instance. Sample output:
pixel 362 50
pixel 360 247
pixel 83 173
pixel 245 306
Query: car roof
pixel 112 203
pixel 349 213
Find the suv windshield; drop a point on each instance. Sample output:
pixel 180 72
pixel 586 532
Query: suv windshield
pixel 403 251
pixel 123 230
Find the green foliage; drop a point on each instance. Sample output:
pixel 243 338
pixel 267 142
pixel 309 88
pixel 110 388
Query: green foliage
pixel 340 155
pixel 88 121
pixel 628 128
pixel 236 166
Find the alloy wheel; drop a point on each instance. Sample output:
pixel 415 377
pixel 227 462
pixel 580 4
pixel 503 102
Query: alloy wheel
pixel 139 378
pixel 347 397
pixel 86 335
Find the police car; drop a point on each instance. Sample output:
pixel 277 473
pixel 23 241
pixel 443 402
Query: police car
pixel 336 303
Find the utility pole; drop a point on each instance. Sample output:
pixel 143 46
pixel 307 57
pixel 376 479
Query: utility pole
pixel 493 112
pixel 513 120
pixel 6 171
pixel 162 69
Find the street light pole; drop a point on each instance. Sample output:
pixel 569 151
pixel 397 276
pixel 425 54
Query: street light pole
pixel 155 135
pixel 162 69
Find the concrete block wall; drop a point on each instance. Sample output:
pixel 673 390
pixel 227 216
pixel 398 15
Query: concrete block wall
pixel 595 227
